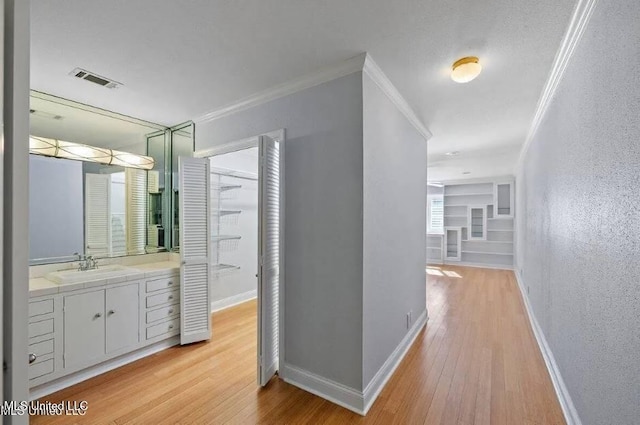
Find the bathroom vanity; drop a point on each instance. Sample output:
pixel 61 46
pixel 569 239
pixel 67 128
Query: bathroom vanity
pixel 82 323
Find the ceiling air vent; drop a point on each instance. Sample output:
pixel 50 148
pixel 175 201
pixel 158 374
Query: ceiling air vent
pixel 83 74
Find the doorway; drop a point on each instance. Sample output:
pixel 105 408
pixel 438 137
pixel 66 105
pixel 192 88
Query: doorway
pixel 246 216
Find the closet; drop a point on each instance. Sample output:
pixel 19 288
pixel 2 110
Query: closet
pixel 234 226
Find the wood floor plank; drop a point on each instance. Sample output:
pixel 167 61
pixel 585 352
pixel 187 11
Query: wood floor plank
pixel 477 362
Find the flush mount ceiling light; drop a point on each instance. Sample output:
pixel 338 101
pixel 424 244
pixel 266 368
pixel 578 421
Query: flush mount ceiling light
pixel 465 69
pixel 79 152
pixel 453 153
pixel 466 172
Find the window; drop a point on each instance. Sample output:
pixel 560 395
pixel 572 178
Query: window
pixel 436 215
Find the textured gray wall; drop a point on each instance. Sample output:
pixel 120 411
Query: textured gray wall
pixel 323 186
pixel 395 176
pixel 579 228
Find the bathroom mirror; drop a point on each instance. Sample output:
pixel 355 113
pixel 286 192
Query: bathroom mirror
pixel 83 207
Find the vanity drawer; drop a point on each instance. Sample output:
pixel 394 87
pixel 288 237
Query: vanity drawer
pixel 164 298
pixel 42 327
pixel 41 348
pixel 163 313
pixel 38 308
pixel 164 283
pixel 169 327
pixel 39 369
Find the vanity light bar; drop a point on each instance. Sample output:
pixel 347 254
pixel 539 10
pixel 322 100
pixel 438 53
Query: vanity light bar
pixel 77 151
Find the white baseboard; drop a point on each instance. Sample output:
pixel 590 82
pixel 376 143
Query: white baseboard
pixel 344 396
pixel 355 400
pixel 568 409
pixel 373 388
pixel 478 265
pixel 77 377
pixel 234 300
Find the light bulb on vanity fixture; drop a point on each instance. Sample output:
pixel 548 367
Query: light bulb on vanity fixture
pixel 68 150
pixel 466 69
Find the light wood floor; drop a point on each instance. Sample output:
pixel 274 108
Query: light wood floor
pixel 476 362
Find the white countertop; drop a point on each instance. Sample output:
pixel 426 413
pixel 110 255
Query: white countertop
pixel 42 286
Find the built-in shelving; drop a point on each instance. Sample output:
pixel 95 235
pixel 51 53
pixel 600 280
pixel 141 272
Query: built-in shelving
pixel 476 233
pixel 434 248
pixel 223 220
pixel 468 194
pixel 221 268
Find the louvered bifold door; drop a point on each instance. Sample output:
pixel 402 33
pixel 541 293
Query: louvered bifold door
pixel 136 208
pixel 269 257
pixel 195 250
pixel 97 214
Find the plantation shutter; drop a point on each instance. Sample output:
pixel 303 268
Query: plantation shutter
pixel 97 212
pixel 195 250
pixel 136 208
pixel 269 259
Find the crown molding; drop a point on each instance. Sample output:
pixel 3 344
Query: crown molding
pixel 375 73
pixel 362 62
pixel 313 79
pixel 579 20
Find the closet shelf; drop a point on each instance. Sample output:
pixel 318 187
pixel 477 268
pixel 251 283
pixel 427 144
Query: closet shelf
pixel 218 238
pixel 469 194
pixel 487 253
pixel 222 213
pixel 455 216
pixel 484 241
pixel 225 187
pixel 499 230
pixel 218 268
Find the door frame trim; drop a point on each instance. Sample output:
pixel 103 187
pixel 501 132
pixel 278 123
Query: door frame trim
pixel 246 143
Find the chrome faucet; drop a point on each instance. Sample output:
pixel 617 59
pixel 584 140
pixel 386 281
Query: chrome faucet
pixel 87 262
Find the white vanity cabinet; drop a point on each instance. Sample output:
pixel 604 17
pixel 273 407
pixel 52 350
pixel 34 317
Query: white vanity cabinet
pixel 84 332
pixel 161 307
pixel 121 306
pixel 45 332
pixel 73 331
pixel 100 322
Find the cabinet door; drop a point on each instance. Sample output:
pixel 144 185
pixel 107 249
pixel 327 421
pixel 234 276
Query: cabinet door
pixel 122 306
pixel 477 223
pixel 83 328
pixel 503 200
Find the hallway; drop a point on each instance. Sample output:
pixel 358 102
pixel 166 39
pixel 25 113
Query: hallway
pixel 477 362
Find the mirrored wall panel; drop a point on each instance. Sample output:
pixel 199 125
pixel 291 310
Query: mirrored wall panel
pixel 93 186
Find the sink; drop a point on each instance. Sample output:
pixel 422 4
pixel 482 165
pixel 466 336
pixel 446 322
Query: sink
pixel 76 276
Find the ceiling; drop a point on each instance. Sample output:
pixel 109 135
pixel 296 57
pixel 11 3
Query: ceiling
pixel 181 59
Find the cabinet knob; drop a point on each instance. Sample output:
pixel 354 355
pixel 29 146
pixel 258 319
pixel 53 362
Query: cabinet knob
pixel 97 315
pixel 32 358
pixel 170 297
pixel 170 326
pixel 111 312
pixel 170 311
pixel 170 283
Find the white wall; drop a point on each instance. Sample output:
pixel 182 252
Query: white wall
pixel 245 199
pixel 394 236
pixel 578 198
pixel 323 186
pixel 56 210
